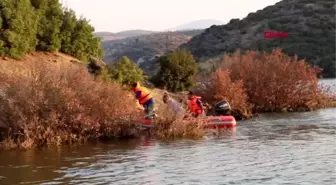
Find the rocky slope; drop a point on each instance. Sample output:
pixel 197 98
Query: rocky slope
pixel 310 25
pixel 105 36
pixel 143 49
pixel 198 24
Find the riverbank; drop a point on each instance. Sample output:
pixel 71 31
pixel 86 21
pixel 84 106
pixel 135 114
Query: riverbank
pixel 47 103
pixel 48 100
pixel 259 82
pixel 276 148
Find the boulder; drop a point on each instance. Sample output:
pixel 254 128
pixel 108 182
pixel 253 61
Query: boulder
pixel 95 66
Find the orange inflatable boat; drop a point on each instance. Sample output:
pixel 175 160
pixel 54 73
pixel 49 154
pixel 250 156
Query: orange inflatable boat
pixel 214 122
pixel 220 117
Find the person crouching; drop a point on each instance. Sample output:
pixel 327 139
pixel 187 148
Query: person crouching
pixel 143 95
pixel 195 105
pixel 173 105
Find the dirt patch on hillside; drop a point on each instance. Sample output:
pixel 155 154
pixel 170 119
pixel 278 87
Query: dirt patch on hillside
pixel 55 57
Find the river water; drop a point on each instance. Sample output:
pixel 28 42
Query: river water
pixel 288 148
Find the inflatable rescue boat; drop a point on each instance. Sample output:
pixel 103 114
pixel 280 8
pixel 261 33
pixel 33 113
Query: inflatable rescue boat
pixel 146 123
pixel 214 122
pixel 220 118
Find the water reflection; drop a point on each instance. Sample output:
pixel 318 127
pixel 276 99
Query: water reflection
pixel 292 148
pixel 36 166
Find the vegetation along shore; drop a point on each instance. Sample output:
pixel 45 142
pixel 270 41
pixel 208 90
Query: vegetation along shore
pixel 55 89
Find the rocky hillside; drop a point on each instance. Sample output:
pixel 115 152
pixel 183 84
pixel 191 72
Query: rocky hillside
pixel 105 36
pixel 198 24
pixel 310 25
pixel 143 49
pixel 191 32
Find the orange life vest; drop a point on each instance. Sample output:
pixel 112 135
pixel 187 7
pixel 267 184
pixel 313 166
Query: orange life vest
pixel 193 107
pixel 145 94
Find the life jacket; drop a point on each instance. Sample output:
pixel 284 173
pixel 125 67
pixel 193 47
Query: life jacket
pixel 193 107
pixel 145 94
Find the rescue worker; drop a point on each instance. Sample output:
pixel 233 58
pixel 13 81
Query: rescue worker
pixel 143 95
pixel 195 105
pixel 175 106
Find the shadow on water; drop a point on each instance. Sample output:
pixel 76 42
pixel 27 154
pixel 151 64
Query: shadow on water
pixel 288 148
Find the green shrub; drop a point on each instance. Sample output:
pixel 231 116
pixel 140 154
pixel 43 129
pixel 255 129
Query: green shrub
pixel 125 71
pixel 177 71
pixel 29 25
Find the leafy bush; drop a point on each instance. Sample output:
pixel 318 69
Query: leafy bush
pixel 220 87
pixel 48 32
pixel 65 106
pixel 275 81
pixel 28 25
pixel 126 72
pixel 265 82
pixel 177 71
pixel 46 104
pixel 18 27
pixel 170 128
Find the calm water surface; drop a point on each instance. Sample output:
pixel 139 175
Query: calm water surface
pixel 291 148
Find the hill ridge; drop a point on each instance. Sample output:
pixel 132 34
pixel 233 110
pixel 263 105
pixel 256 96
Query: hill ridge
pixel 310 25
pixel 144 49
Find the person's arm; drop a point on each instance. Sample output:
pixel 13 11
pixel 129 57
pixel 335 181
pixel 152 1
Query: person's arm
pixel 199 103
pixel 137 94
pixel 188 107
